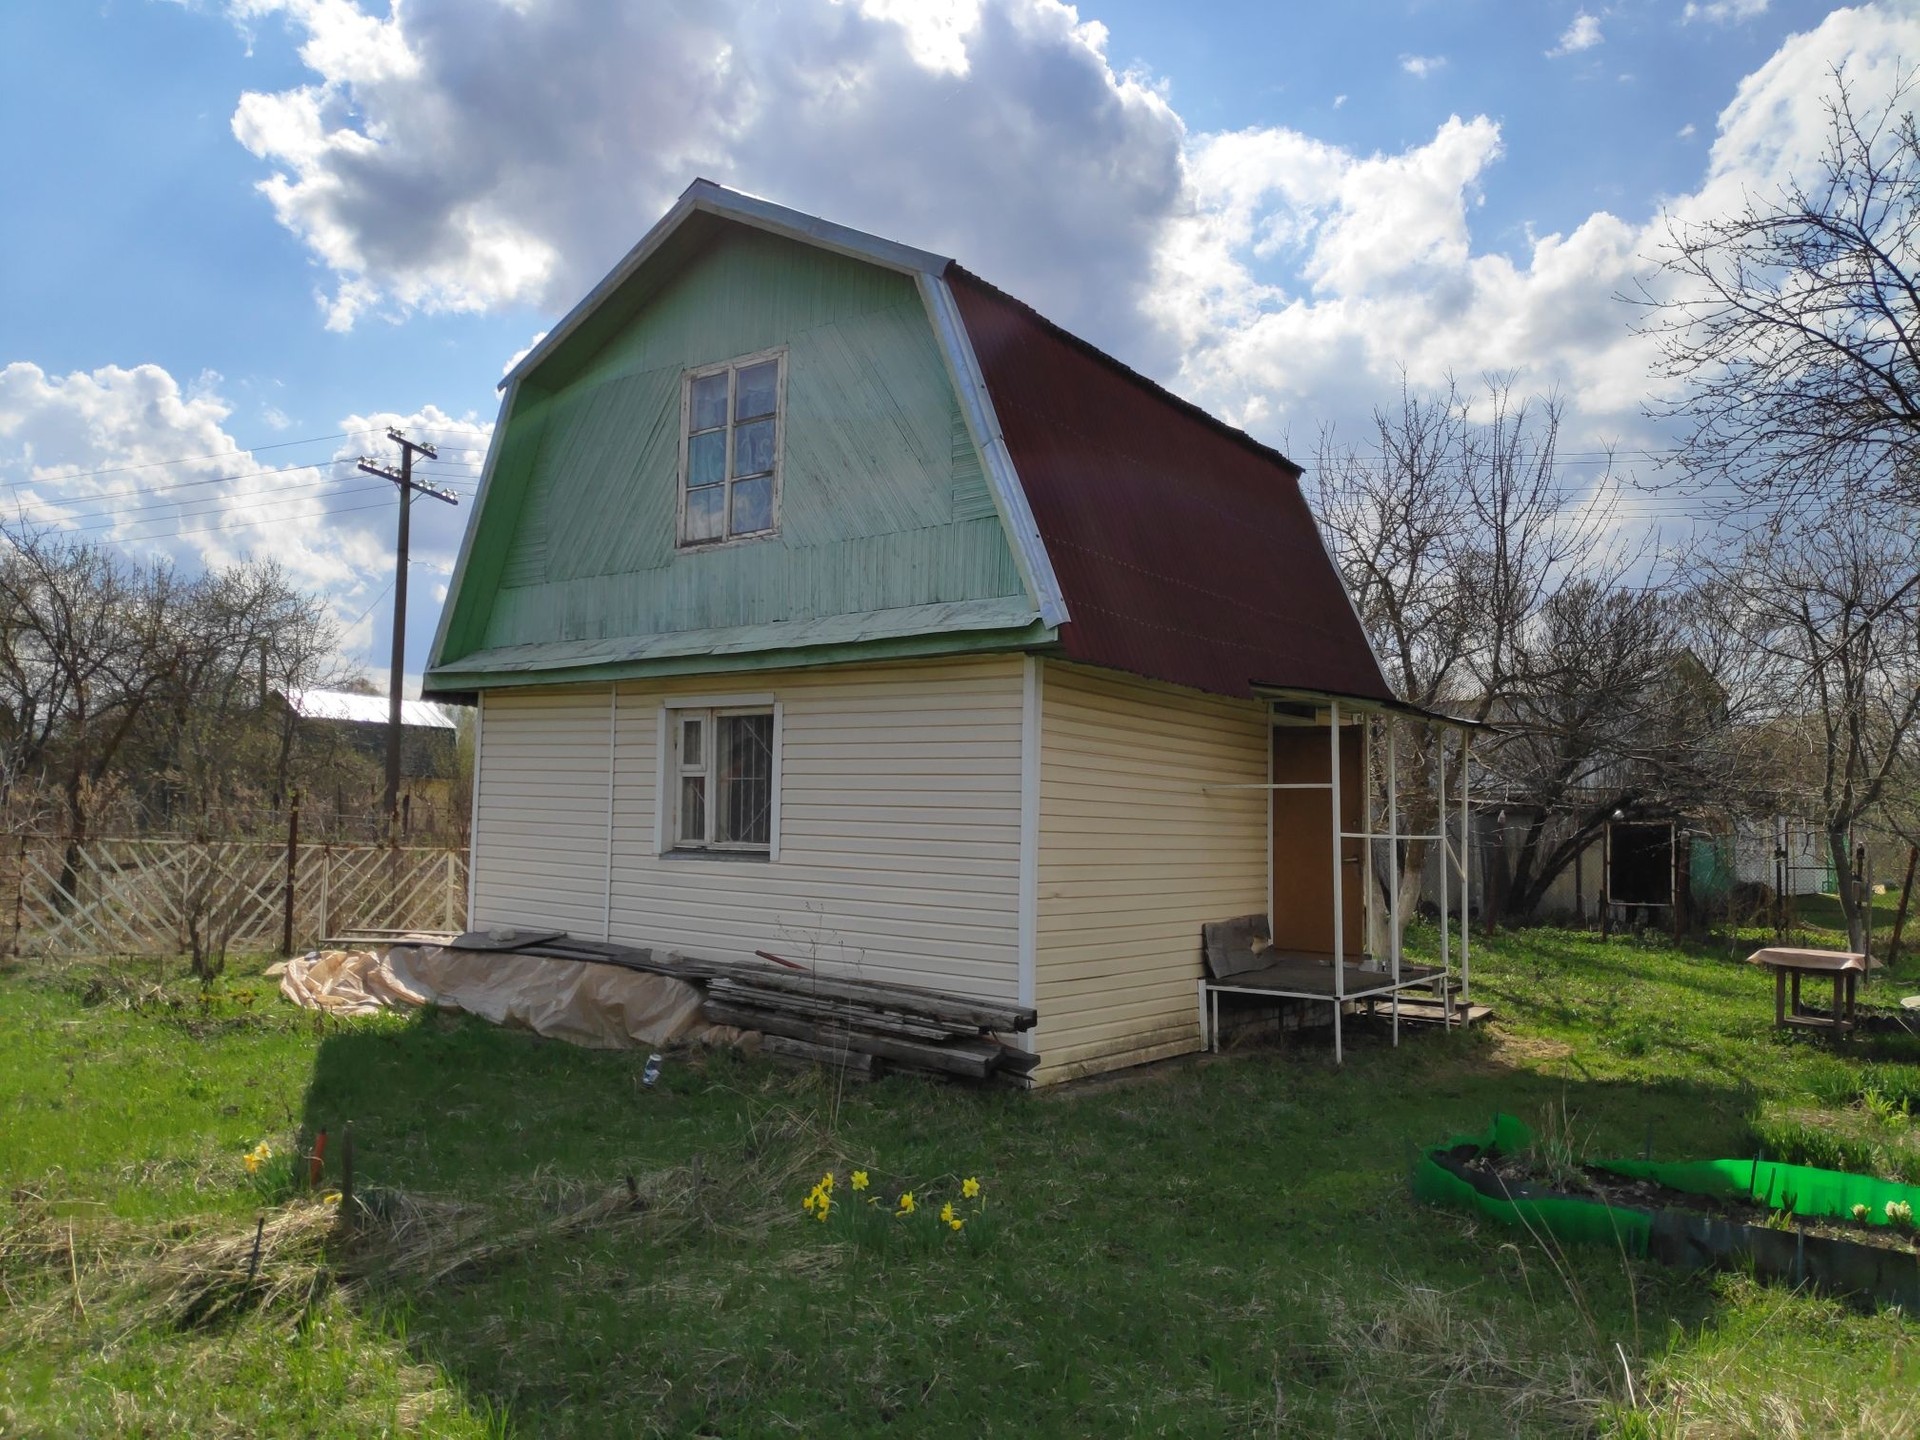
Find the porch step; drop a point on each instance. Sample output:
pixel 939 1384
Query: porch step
pixel 1430 1012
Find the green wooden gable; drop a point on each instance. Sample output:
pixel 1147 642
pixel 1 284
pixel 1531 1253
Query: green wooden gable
pixel 890 540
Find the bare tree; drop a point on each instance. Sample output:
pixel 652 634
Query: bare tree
pixel 1613 712
pixel 217 741
pixel 92 642
pixel 1827 603
pixel 1794 323
pixel 1453 531
pixel 135 687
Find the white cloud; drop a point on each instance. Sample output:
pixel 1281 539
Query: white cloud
pixel 522 352
pixel 1582 34
pixel 1267 273
pixel 434 163
pixel 1300 278
pixel 936 30
pixel 129 456
pixel 1685 132
pixel 1724 12
pixel 1421 66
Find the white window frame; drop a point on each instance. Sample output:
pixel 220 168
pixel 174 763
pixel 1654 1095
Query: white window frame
pixel 729 368
pixel 667 773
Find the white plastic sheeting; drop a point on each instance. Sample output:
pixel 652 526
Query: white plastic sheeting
pixel 603 1007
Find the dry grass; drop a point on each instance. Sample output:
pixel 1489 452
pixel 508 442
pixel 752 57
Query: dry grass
pixel 1444 1347
pixel 59 1270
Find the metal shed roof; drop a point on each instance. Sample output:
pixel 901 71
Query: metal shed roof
pixel 1184 548
pixel 367 709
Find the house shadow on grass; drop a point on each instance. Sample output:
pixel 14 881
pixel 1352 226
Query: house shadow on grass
pixel 1158 1251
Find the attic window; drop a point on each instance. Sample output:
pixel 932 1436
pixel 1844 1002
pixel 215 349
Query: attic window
pixel 731 432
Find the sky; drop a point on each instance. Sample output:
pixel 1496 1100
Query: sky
pixel 243 237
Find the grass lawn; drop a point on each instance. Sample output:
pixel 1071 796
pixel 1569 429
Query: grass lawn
pixel 1209 1247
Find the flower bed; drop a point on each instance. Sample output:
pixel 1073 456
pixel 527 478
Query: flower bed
pixel 1850 1235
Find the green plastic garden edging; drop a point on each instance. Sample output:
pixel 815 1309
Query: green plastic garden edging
pixel 1834 1263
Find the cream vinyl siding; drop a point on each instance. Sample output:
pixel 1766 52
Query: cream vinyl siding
pixel 899 843
pixel 540 811
pixel 1134 857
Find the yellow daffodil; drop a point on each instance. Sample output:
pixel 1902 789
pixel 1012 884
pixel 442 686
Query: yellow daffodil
pixel 252 1162
pixel 826 1182
pixel 970 1188
pixel 956 1225
pixel 813 1199
pixel 859 1179
pixel 946 1212
pixel 906 1203
pixel 821 1213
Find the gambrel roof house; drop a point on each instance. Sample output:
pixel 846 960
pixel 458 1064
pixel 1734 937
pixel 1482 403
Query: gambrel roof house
pixel 822 598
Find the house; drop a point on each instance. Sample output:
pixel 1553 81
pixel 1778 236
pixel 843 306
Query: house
pixel 820 598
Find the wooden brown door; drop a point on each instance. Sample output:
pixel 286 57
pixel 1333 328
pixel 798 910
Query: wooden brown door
pixel 1303 840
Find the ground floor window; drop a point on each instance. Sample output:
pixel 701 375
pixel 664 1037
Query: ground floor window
pixel 722 779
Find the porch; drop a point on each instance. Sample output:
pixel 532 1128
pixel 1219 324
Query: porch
pixel 1333 930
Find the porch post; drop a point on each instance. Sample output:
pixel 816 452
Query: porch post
pixel 1393 865
pixel 1466 870
pixel 1368 903
pixel 1339 907
pixel 1440 838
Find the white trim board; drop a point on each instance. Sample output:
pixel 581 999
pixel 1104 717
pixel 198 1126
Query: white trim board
pixel 1031 697
pixel 983 425
pixel 473 813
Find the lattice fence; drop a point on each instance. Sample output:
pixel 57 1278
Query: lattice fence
pixel 146 896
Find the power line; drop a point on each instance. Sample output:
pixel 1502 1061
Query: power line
pixel 370 604
pixel 215 504
pixel 51 481
pixel 184 528
pixel 250 524
pixel 238 451
pixel 158 491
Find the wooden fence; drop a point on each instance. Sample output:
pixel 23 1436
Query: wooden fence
pixel 144 896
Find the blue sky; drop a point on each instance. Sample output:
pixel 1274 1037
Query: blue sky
pixel 1275 209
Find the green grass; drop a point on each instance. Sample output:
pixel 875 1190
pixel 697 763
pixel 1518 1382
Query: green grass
pixel 1219 1247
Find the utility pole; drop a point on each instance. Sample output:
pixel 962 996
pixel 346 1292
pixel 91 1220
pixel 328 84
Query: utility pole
pixel 403 478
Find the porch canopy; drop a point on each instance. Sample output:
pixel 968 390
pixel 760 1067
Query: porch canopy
pixel 1311 843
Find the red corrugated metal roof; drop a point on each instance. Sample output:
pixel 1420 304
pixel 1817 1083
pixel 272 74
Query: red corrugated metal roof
pixel 1184 547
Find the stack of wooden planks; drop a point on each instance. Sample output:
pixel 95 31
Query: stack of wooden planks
pixel 861 1026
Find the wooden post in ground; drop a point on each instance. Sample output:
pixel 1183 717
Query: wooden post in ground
pixel 1863 901
pixel 346 1174
pixel 1606 882
pixel 1900 915
pixel 20 891
pixel 293 861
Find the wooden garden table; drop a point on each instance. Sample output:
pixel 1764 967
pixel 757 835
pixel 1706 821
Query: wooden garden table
pixel 1789 965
